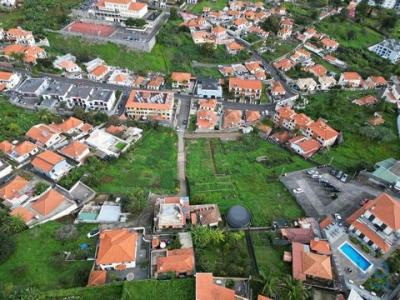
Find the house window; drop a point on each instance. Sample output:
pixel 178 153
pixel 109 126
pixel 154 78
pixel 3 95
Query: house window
pixel 371 218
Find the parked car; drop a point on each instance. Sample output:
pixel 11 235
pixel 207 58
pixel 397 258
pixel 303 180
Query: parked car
pixel 311 172
pixel 344 178
pixel 338 217
pixel 339 174
pixel 333 172
pixel 93 233
pixel 297 191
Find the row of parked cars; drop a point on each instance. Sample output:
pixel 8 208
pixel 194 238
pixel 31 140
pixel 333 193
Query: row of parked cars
pixel 340 175
pixel 330 188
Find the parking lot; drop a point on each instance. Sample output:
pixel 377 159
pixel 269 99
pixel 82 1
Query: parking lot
pixel 325 194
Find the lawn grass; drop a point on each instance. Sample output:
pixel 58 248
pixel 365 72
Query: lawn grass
pixel 213 4
pixel 178 289
pixel 33 262
pixel 206 72
pixel 226 173
pixel 107 292
pixel 269 258
pixel 15 121
pixel 357 151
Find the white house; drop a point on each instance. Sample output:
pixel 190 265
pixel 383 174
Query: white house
pixel 209 88
pixel 20 152
pixel 120 10
pixel 5 169
pixel 67 63
pixel 16 191
pixel 20 36
pixel 44 136
pixel 306 84
pixel 9 80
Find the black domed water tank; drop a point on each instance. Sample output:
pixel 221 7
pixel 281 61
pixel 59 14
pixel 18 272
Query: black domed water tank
pixel 238 217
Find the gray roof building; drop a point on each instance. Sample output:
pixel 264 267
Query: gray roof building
pixel 33 86
pixel 82 92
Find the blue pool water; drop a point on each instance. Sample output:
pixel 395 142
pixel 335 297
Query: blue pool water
pixel 355 257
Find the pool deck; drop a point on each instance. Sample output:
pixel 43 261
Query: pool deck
pixel 337 236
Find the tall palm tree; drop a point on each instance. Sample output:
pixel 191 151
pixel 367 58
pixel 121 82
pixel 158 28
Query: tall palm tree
pixel 293 289
pixel 270 284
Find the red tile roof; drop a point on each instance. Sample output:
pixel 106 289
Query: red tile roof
pixel 179 261
pixel 48 202
pixel 206 289
pixel 97 277
pixel 46 160
pixel 117 246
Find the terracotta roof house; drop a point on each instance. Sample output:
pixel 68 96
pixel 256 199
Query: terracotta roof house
pixel 252 116
pixel 323 133
pixel 329 44
pixel 25 214
pixel 51 165
pixel 146 104
pixel 234 48
pixel 375 81
pixel 206 119
pixel 75 151
pixel 97 277
pixel 48 202
pixel 350 79
pixel 178 261
pixel 277 89
pixel 43 135
pixel 309 265
pixel 72 126
pixel 326 222
pixel 99 72
pixel 232 118
pixel 304 146
pixel 317 70
pixel 208 289
pixel 117 249
pixel 20 152
pixel 377 222
pixel 16 191
pixel 180 79
pixel 205 215
pixel 245 88
pixel 284 64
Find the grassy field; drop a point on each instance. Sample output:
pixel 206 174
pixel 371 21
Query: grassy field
pixel 339 29
pixel 358 150
pixel 269 258
pixel 36 262
pixel 227 173
pixel 180 289
pixel 281 48
pixel 148 165
pixel 15 121
pixel 38 15
pixel 214 5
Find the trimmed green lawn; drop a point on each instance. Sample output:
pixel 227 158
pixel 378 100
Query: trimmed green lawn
pixel 227 173
pixel 15 121
pixel 35 261
pixel 358 150
pixel 206 72
pixel 107 292
pixel 213 4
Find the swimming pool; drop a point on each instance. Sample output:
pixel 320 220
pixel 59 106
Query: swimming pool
pixel 355 257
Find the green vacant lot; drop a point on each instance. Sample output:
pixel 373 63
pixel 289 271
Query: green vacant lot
pixel 179 289
pixel 281 48
pixel 227 173
pixel 269 258
pixel 213 4
pixel 363 144
pixel 150 164
pixel 15 121
pixel 38 259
